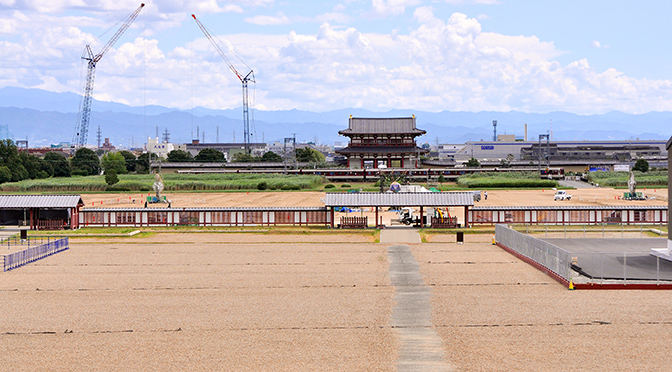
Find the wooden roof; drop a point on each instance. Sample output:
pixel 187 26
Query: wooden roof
pixel 382 126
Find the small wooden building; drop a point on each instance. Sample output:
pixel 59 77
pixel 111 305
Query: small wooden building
pixel 382 143
pixel 41 212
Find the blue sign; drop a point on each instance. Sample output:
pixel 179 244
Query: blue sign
pixel 487 147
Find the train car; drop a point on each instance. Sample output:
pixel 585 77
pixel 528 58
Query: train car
pixel 552 173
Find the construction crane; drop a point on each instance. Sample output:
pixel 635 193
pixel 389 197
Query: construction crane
pixel 244 79
pixel 82 127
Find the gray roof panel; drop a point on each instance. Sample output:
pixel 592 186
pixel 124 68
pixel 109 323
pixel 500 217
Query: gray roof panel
pixel 382 125
pixel 404 199
pixel 40 201
pixel 571 208
pixel 208 209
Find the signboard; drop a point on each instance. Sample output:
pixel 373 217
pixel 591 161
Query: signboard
pixel 487 147
pixel 621 167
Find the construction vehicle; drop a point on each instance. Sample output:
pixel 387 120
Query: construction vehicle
pixel 406 217
pixel 244 79
pixel 82 127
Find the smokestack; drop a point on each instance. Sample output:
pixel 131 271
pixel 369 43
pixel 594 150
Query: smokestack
pixel 494 127
pixel 525 132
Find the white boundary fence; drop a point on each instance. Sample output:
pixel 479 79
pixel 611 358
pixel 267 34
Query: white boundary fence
pixel 547 255
pixel 31 254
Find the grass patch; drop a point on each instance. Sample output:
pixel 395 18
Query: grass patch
pixel 508 180
pixel 172 182
pixel 620 179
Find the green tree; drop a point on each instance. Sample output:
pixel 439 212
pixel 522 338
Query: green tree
pixel 641 165
pixel 111 177
pixel 9 157
pixel 56 164
pixel 309 155
pixel 142 164
pixel 179 155
pixel 85 162
pixel 242 157
pixel 114 161
pixel 31 163
pixel 270 156
pixel 130 160
pixel 473 163
pixel 210 155
pixel 5 174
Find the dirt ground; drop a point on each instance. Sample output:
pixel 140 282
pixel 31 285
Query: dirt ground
pixel 320 302
pixel 496 313
pixel 190 302
pixel 592 196
pixel 181 301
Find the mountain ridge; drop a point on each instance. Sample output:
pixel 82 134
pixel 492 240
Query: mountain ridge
pixel 45 117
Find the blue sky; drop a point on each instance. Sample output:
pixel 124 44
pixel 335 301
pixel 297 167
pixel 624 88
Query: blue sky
pixel 585 57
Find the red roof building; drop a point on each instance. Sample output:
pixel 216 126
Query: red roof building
pixel 382 143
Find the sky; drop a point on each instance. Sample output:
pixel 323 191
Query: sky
pixel 579 56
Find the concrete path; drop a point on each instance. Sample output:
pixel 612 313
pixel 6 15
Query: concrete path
pixel 575 184
pixel 398 235
pixel 421 347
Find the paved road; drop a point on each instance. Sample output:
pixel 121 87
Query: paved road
pixel 398 235
pixel 421 346
pixel 618 258
pixel 575 184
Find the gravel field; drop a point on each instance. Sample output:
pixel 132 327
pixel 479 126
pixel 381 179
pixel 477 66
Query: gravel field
pixel 496 313
pixel 315 302
pixel 192 306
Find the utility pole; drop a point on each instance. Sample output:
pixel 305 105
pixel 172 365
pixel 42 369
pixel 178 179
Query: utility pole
pixel 166 136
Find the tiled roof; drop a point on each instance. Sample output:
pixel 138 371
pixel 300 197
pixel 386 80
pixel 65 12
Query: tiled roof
pixel 382 126
pixel 403 199
pixel 39 201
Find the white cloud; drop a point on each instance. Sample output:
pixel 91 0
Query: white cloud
pixel 463 2
pixel 437 64
pixel 386 8
pixel 263 20
pixel 598 45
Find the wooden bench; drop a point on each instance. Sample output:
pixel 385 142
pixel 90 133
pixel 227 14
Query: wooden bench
pixel 444 223
pixel 354 222
pixel 50 224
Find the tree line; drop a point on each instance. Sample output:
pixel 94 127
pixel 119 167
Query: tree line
pixel 18 165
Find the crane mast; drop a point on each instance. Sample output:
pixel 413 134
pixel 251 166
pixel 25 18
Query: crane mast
pixel 82 127
pixel 244 79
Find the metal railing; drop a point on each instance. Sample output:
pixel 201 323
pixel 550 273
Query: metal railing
pixel 32 253
pixel 547 255
pixel 620 267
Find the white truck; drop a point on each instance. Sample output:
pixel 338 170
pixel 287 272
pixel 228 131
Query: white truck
pixel 562 195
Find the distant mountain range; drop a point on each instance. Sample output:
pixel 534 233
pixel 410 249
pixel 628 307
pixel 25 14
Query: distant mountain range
pixel 46 117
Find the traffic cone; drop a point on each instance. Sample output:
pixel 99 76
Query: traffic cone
pixel 493 240
pixel 571 284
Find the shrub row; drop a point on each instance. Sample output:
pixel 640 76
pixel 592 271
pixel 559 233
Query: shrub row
pixel 171 183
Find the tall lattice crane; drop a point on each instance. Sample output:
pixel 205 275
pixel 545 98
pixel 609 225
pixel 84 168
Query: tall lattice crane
pixel 82 127
pixel 244 79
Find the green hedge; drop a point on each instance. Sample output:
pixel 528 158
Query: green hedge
pixel 505 180
pixel 616 179
pixel 172 182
